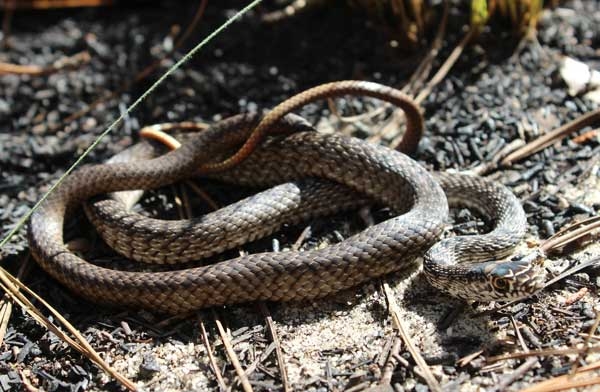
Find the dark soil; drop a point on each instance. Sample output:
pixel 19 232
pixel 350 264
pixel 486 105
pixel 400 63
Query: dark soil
pixel 492 96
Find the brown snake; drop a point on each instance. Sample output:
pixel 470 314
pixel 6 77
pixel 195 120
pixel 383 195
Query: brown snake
pixel 292 154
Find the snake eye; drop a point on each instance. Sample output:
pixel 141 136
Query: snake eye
pixel 501 284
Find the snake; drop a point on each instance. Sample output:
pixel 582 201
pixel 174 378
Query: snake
pixel 311 174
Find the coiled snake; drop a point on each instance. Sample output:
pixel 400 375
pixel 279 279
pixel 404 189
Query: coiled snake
pixel 294 156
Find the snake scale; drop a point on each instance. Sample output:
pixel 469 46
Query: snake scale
pixel 317 174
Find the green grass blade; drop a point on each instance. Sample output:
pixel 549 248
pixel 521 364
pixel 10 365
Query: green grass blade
pixel 176 66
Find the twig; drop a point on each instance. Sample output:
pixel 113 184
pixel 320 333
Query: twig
pixel 211 357
pixel 398 325
pixel 529 37
pixel 5 313
pixel 464 361
pixel 26 383
pixel 203 195
pixel 552 137
pixel 192 26
pixel 71 62
pixel 391 362
pixel 486 167
pixel 415 81
pixel 265 354
pixel 357 117
pixel 278 351
pixel 587 168
pixel 143 74
pixel 36 314
pixel 585 137
pixel 186 202
pixel 302 237
pixel 518 373
pixel 233 357
pixel 565 383
pixel 595 337
pixel 579 294
pixel 521 370
pixel 586 343
pixel 518 333
pixel 423 69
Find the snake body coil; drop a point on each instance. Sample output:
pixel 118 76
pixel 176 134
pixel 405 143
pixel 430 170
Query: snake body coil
pixel 381 174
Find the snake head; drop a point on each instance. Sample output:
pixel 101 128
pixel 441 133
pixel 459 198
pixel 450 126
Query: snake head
pixel 515 279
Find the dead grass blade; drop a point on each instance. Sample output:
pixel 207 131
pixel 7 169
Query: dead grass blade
pixel 544 353
pixel 552 137
pixel 446 67
pixel 399 326
pixel 271 325
pixel 418 78
pixel 415 82
pixel 578 380
pixel 570 234
pixel 441 74
pixel 233 357
pixel 586 343
pixel 572 270
pixel 12 287
pixel 6 304
pixel 211 357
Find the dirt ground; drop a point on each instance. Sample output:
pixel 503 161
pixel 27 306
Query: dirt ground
pixel 497 92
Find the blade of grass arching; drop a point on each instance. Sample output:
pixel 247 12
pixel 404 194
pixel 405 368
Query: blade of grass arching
pixel 9 283
pixel 176 66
